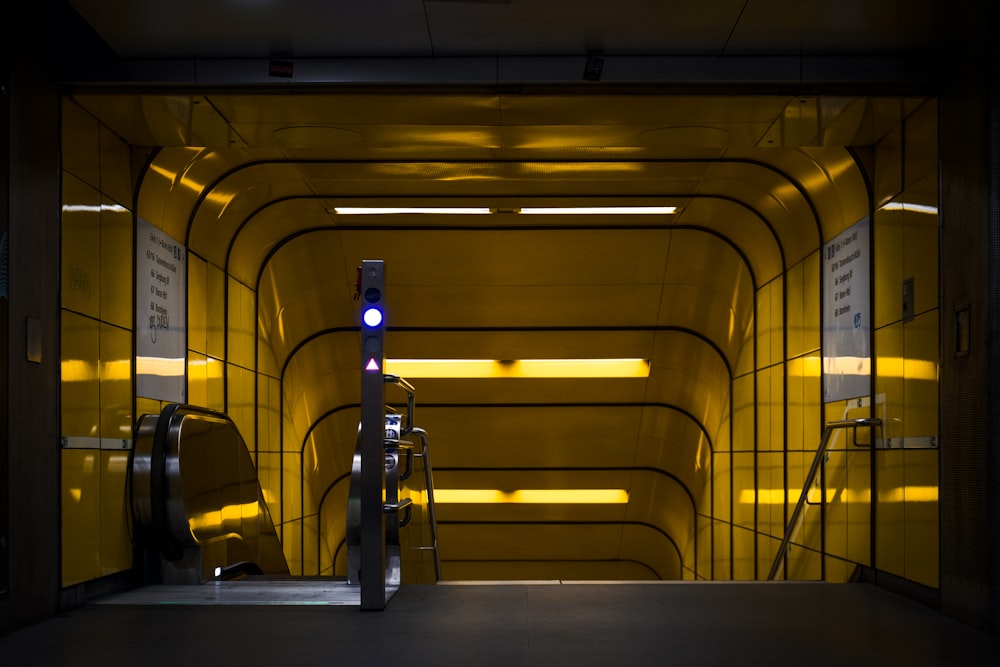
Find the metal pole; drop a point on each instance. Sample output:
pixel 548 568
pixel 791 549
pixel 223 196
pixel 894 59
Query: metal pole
pixel 372 574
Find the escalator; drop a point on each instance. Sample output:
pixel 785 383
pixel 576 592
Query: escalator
pixel 197 503
pixel 206 533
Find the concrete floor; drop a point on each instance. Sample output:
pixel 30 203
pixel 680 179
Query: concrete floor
pixel 808 624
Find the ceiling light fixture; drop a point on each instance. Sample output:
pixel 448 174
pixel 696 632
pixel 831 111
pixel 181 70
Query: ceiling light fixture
pixel 607 210
pixel 912 208
pixel 357 210
pixel 518 368
pixel 533 496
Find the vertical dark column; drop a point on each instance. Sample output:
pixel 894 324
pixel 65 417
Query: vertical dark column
pixel 970 317
pixel 32 334
pixel 372 435
pixel 4 318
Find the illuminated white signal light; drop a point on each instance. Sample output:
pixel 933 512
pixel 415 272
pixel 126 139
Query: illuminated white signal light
pixel 372 317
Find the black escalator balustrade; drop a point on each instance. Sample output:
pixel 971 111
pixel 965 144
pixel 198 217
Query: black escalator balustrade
pixel 196 500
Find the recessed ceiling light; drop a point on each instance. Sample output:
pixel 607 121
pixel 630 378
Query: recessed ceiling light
pixel 608 210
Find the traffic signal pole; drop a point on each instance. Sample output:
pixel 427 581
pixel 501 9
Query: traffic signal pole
pixel 372 575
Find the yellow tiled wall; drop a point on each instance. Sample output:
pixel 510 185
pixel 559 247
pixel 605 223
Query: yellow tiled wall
pixel 778 413
pixel 96 349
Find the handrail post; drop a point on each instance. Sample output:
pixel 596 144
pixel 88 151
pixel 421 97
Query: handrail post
pixel 429 485
pixel 808 482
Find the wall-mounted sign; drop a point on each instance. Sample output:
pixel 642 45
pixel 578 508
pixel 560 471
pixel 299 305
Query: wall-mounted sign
pixel 847 330
pixel 160 315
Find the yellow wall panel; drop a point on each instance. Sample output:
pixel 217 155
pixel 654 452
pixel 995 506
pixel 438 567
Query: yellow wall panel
pixel 116 272
pixel 743 413
pixel 116 168
pixel 838 570
pixel 920 251
pixel 81 515
pixel 777 321
pixel 241 325
pixel 744 566
pixel 116 547
pixel 80 385
pixel 890 529
pixel 771 493
pixel 721 484
pixel 920 495
pixel 269 475
pixel 920 369
pixel 197 307
pixel 215 385
pixel 743 489
pixel 804 564
pixel 763 322
pixel 795 403
pixel 777 411
pixel 80 144
pixel 197 379
pixel 81 248
pixel 721 552
pixel 215 312
pixel 887 261
pixel 767 548
pixel 147 406
pixel 889 385
pixel 291 543
pixel 704 562
pixel 796 298
pixel 888 181
pixel 857 497
pixel 836 507
pixel 310 545
pixel 764 409
pixel 240 401
pixel 116 382
pixel 810 311
pixel 291 475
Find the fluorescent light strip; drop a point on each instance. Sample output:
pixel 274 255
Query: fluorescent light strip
pixel 533 496
pixel 613 210
pixel 521 368
pixel 912 208
pixel 528 210
pixel 349 210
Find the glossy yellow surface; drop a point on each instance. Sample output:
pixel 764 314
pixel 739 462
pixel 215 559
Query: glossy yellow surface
pixel 722 298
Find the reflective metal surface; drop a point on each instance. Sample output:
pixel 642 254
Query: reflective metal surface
pixel 196 498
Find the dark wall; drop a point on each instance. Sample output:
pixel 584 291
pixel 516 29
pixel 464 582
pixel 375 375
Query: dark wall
pixel 970 291
pixel 31 340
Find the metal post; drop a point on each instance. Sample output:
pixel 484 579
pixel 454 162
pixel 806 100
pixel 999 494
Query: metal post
pixel 372 574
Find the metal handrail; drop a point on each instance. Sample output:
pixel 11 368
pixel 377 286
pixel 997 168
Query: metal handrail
pixel 810 478
pixel 425 454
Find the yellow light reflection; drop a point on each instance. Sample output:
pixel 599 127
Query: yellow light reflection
pixel 522 368
pixel 533 496
pixel 896 367
pixel 78 370
pixel 910 494
pixel 163 367
pixel 205 521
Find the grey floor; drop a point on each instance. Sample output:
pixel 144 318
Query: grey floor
pixel 807 624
